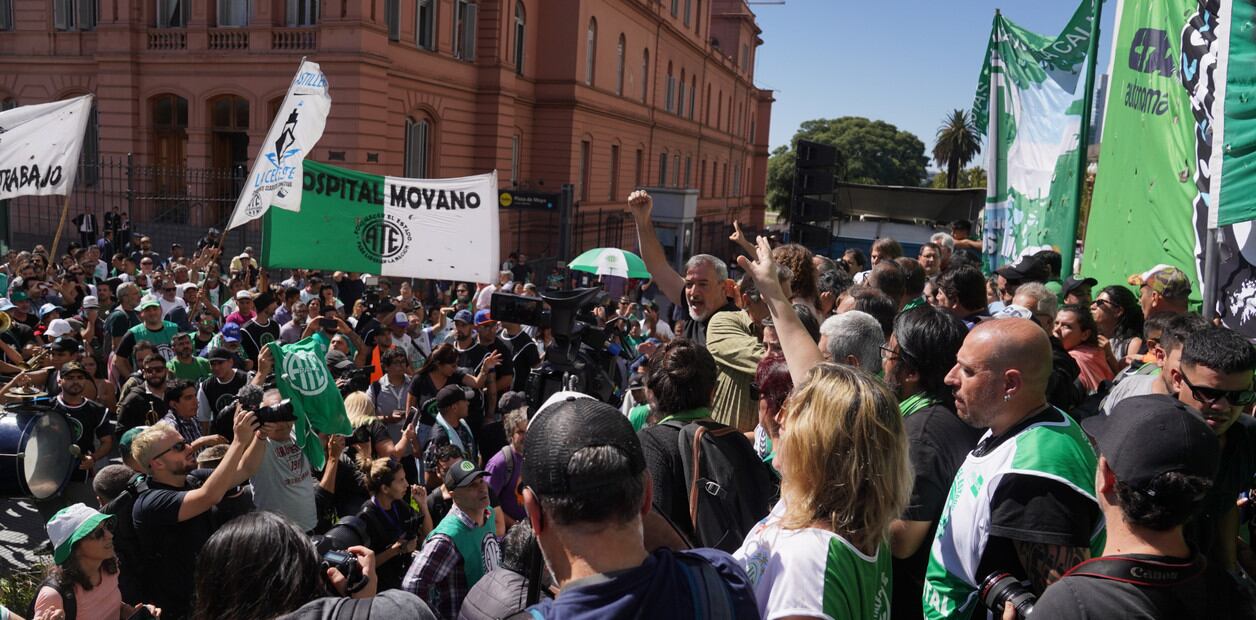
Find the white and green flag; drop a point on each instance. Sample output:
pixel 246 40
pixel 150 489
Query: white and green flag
pixel 444 229
pixel 1030 102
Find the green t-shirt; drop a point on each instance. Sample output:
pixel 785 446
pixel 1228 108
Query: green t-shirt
pixel 195 370
pixel 161 338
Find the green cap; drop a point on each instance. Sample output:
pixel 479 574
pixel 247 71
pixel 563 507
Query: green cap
pixel 18 296
pixel 129 437
pixel 149 302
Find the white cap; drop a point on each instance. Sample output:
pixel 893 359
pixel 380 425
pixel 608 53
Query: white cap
pixel 244 294
pixel 90 302
pixel 58 328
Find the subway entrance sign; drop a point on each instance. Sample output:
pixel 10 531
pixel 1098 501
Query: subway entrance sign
pixel 537 201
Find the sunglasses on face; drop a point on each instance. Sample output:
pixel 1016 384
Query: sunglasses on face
pixel 1209 396
pixel 155 369
pixel 99 532
pixel 178 447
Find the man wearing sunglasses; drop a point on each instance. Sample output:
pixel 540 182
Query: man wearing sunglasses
pixel 1215 377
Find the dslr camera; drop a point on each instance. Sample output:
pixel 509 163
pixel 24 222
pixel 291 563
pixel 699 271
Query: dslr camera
pixel 331 548
pixel 1001 588
pixel 279 412
pixel 359 380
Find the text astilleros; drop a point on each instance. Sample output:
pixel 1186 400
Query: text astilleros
pixel 372 192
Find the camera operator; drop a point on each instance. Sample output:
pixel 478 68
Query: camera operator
pixel 261 566
pixel 392 523
pixel 1157 460
pixel 1023 502
pixel 283 481
pixel 172 521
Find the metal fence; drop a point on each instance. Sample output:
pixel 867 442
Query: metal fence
pixel 170 205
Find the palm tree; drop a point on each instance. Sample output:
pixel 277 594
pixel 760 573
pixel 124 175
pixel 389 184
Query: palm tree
pixel 957 144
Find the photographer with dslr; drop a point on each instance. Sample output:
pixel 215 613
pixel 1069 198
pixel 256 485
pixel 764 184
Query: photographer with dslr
pixel 1157 460
pixel 393 524
pixel 261 566
pixel 283 481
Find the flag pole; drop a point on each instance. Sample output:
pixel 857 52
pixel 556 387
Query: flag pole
pixel 56 238
pixel 993 109
pixel 1083 142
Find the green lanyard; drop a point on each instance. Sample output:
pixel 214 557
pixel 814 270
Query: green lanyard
pixel 688 415
pixel 915 403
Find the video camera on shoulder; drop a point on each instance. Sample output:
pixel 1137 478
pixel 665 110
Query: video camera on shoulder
pixel 278 412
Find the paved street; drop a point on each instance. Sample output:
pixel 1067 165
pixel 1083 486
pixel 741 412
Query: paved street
pixel 22 536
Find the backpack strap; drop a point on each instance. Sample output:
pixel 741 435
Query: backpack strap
pixel 708 589
pixel 696 454
pixel 69 604
pixel 353 609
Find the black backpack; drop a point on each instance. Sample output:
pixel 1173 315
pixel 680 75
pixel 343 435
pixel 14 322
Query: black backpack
pixel 729 487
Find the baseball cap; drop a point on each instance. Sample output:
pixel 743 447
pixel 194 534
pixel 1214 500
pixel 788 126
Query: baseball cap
pixel 149 302
pixel 1164 279
pixel 70 525
pixel 1013 311
pixel 1025 268
pixel 463 316
pixel 70 367
pixel 338 360
pixel 129 437
pixel 461 474
pixel 91 301
pixel 65 344
pixel 561 429
pixel 511 400
pixel 6 305
pixel 219 354
pixel 211 456
pixel 49 308
pixel 400 320
pixel 231 332
pixel 452 394
pixel 1072 283
pixel 1145 436
pixel 58 328
pixel 243 295
pixel 483 317
pixel 17 296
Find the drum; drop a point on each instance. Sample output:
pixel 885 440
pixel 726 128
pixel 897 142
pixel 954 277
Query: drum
pixel 37 452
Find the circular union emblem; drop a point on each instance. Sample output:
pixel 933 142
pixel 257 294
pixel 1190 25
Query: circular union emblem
pixel 382 238
pixel 305 372
pixel 505 199
pixel 255 204
pixel 467 466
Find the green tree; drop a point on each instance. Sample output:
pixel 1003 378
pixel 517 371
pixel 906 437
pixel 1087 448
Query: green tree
pixel 957 144
pixel 974 176
pixel 871 152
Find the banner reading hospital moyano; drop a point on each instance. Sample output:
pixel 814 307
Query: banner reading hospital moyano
pixel 444 229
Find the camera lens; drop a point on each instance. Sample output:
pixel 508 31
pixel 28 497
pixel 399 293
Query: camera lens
pixel 1002 588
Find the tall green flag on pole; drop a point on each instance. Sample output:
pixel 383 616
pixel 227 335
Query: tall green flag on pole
pixel 302 376
pixel 1031 103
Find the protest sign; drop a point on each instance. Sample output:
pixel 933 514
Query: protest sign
pixel 40 146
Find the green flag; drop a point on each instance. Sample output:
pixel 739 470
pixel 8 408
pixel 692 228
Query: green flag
pixel 301 375
pixel 1030 100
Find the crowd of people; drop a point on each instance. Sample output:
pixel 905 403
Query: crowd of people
pixel 788 435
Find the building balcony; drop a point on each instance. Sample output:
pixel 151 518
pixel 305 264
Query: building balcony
pixel 251 39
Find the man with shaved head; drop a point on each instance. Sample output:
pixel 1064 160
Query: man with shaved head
pixel 1024 501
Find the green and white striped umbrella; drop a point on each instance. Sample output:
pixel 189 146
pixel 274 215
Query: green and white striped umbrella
pixel 611 262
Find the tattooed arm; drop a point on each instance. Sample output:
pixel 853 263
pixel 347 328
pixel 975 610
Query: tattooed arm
pixel 1045 564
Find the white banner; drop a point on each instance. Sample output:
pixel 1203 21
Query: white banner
pixel 40 146
pixel 275 179
pixel 451 228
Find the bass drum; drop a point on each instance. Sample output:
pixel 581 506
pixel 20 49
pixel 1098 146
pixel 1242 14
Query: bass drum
pixel 37 452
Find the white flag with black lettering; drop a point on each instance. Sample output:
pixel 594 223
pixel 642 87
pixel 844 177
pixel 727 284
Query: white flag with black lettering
pixel 40 146
pixel 275 179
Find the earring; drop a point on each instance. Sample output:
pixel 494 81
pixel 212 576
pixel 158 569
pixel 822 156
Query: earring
pixel 1007 396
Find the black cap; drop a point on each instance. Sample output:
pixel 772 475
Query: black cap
pixel 511 401
pixel 337 360
pixel 1028 268
pixel 1146 436
pixel 462 473
pixel 65 344
pixel 219 354
pixel 452 394
pixel 1074 282
pixel 566 427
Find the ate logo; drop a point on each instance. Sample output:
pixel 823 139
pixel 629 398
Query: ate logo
pixel 1151 52
pixel 305 372
pixel 383 238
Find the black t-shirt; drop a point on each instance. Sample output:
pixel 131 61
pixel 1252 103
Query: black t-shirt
pixel 1208 596
pixel 139 408
pixel 350 290
pixel 1238 464
pixel 119 321
pixel 168 548
pixel 386 527
pixel 438 506
pixel 19 335
pixel 520 272
pixel 1033 509
pixel 254 335
pixel 96 426
pixel 527 356
pixel 938 442
pixel 696 330
pixel 423 389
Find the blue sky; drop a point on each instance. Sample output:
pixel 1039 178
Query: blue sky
pixel 906 62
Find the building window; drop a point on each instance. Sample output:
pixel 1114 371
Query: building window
pixel 585 164
pixel 172 13
pixel 637 172
pixel 169 125
pixel 745 57
pixel 707 113
pixel 675 8
pixel 619 66
pixel 676 171
pixel 688 171
pixel 671 89
pixel 662 169
pixel 302 13
pixel 67 14
pixel 234 13
pixel 680 99
pixel 693 94
pixel 392 17
pixel 719 110
pixel 737 180
pixel 425 24
pixel 645 75
pixel 520 31
pixel 614 190
pixel 702 178
pixel 697 23
pixel 464 29
pixel 515 141
pixel 724 189
pixel 688 6
pixel 418 148
pixel 590 52
pixel 6 14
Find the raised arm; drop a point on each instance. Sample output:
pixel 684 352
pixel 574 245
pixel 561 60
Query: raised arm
pixel 672 284
pixel 226 475
pixel 801 352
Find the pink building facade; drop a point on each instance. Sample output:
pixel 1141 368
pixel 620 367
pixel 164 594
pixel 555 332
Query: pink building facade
pixel 605 95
